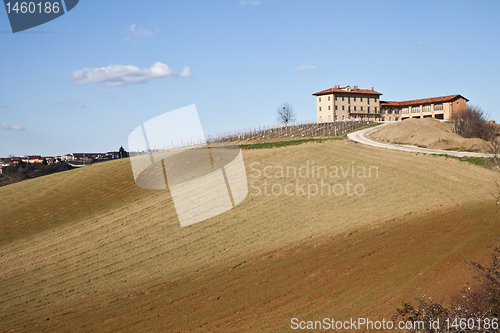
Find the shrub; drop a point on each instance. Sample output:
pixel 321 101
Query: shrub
pixel 471 122
pixel 478 303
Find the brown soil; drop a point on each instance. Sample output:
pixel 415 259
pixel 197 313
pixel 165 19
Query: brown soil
pixel 428 132
pixel 86 250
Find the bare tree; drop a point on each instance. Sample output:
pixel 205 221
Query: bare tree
pixel 285 113
pixel 493 146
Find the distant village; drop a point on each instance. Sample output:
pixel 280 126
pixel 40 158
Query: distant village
pixel 68 158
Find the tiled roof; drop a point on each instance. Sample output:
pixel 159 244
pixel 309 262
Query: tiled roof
pixel 433 100
pixel 352 91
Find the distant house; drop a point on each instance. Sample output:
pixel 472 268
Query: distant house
pixel 49 159
pixel 113 154
pixel 32 159
pixel 68 157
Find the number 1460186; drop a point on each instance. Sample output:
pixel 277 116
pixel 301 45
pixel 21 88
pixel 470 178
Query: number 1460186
pixel 32 7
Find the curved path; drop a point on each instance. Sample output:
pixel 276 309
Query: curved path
pixel 362 137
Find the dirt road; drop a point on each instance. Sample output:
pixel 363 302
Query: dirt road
pixel 362 137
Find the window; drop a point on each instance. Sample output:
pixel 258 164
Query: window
pixel 389 111
pixel 389 118
pixel 335 97
pixel 349 100
pixel 405 110
pixel 319 99
pixel 415 109
pixel 336 107
pixel 375 109
pixel 438 106
pixel 328 97
pixel 355 108
pixel 396 111
pixel 342 98
pixel 343 108
pixel 320 108
pixel 368 100
pixel 349 109
pixel 361 99
pixel 426 108
pixel 382 111
pixel 375 99
pixel 328 107
pixel 361 108
pixel 355 99
pixel 368 109
pixel 396 119
pixel 342 117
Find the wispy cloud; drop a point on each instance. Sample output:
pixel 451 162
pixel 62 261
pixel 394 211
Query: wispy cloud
pixel 139 31
pixel 120 75
pixel 107 94
pixel 250 2
pixel 130 40
pixel 14 127
pixel 4 106
pixel 305 68
pixel 75 104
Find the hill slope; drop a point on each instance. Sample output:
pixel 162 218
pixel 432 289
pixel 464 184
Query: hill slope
pixel 427 132
pixel 108 255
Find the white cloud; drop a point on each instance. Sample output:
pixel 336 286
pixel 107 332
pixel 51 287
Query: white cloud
pixel 128 39
pixel 78 105
pixel 15 127
pixel 120 75
pixel 139 31
pixel 250 2
pixel 4 106
pixel 305 68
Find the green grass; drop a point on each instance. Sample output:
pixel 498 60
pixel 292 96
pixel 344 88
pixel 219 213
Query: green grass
pixel 409 144
pixel 481 161
pixel 277 144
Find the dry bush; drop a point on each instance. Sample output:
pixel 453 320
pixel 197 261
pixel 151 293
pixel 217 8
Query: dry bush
pixel 471 122
pixel 478 303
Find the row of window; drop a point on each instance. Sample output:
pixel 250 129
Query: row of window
pixel 354 99
pixel 389 111
pixel 425 108
pixel 349 108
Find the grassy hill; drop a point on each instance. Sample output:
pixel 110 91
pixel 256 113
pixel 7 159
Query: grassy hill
pixel 88 250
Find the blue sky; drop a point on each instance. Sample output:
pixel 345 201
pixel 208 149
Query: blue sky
pixel 236 60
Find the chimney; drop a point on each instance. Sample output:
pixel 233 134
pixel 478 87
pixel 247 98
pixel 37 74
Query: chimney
pixel 372 88
pixel 355 88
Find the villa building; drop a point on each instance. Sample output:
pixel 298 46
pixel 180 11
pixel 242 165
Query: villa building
pixel 348 103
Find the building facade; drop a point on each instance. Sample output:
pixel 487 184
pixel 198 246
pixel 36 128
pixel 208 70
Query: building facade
pixel 346 103
pixel 437 107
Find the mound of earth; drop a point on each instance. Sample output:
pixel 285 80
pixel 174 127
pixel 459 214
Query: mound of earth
pixel 427 132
